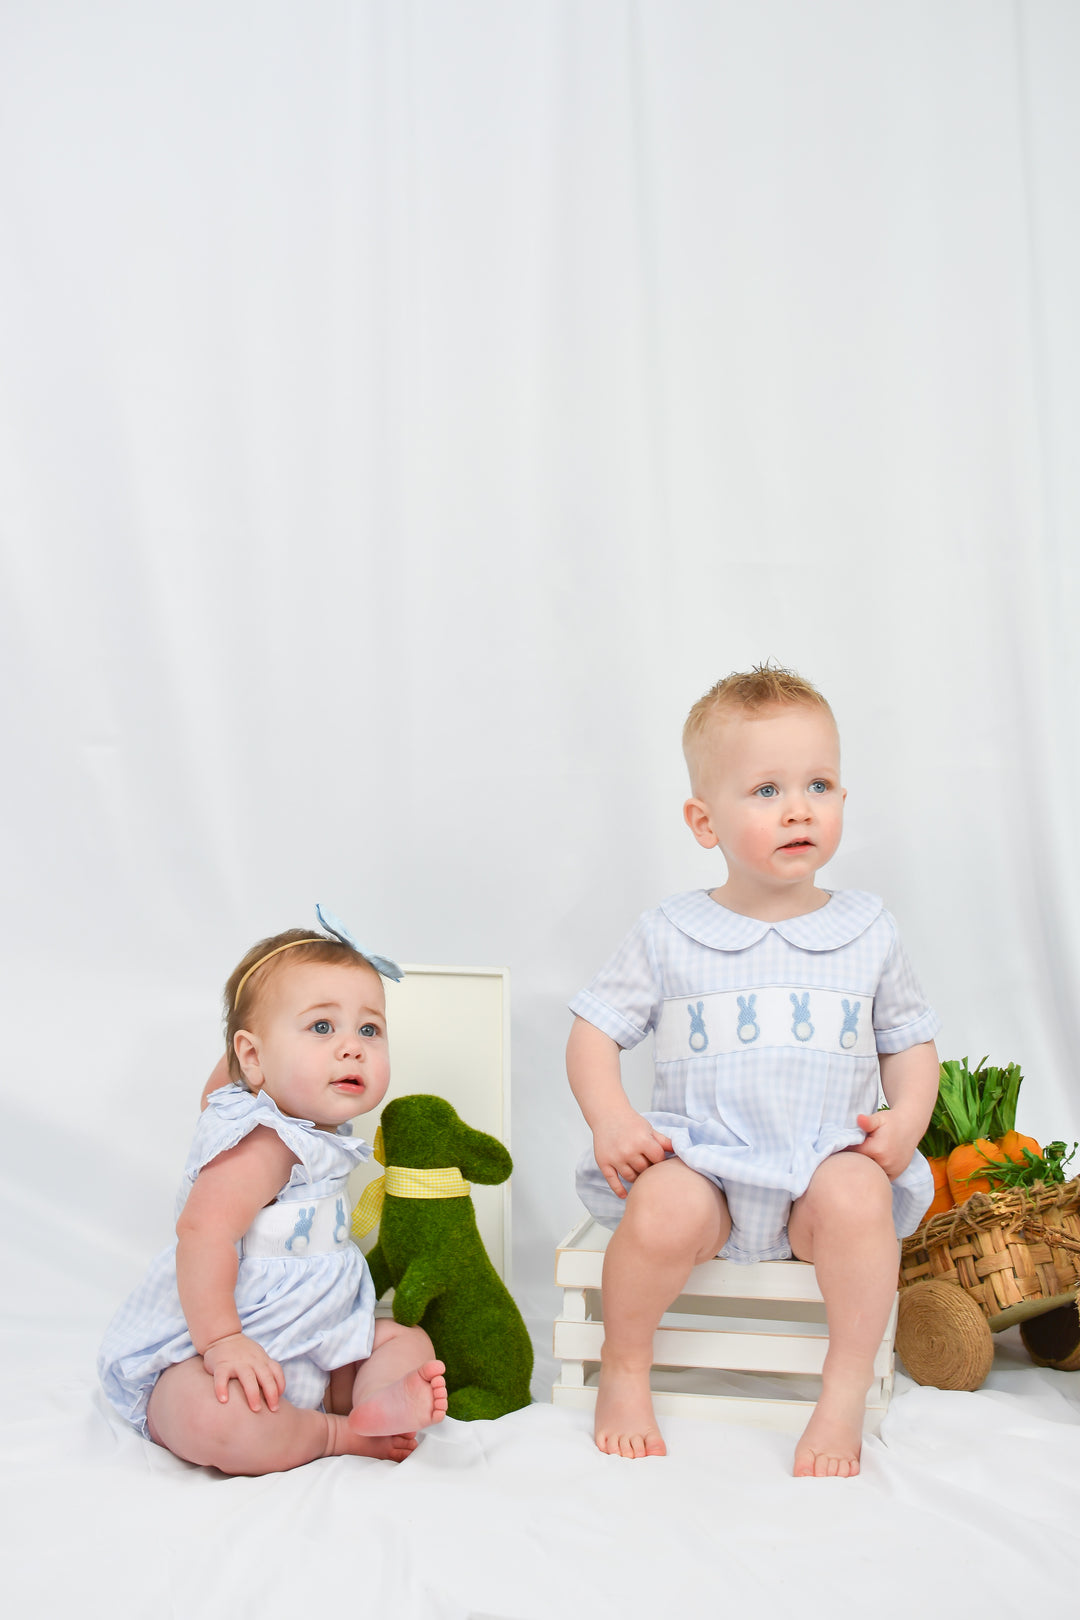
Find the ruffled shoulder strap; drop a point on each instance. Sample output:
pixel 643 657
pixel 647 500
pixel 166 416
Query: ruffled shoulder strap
pixel 233 1113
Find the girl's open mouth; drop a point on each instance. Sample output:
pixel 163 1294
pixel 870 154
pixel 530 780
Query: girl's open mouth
pixel 351 1083
pixel 798 843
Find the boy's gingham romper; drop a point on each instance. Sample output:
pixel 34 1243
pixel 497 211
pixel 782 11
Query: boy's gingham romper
pixel 765 1043
pixel 312 1311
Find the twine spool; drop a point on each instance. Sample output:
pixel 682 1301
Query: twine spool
pixel 943 1337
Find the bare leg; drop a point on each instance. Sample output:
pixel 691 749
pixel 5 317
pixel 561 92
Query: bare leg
pixel 675 1219
pixel 185 1416
pixel 843 1223
pixel 400 1387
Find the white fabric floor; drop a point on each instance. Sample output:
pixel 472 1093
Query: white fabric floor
pixel 406 411
pixel 965 1499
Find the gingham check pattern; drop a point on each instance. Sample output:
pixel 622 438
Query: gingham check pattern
pixel 760 1120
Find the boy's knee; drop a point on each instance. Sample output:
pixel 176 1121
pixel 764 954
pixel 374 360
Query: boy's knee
pixel 671 1213
pixel 856 1187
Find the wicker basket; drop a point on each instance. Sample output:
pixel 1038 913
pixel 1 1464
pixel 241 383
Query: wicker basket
pixel 1011 1252
pixel 996 1259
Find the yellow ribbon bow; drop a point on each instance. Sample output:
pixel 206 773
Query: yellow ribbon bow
pixel 401 1182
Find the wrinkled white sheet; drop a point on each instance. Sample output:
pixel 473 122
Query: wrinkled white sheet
pixel 529 367
pixel 523 1519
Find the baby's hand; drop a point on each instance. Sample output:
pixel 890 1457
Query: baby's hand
pixel 888 1142
pixel 237 1356
pixel 625 1146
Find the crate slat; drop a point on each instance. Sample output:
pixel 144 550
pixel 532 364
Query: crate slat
pixel 740 1351
pixel 772 1317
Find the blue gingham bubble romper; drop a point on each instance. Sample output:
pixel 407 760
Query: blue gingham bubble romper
pixel 765 1044
pixel 311 1312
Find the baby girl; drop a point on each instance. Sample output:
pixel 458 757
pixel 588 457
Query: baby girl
pixel 252 1344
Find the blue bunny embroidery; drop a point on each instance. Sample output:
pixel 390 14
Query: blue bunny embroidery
pixel 801 1027
pixel 341 1223
pixel 747 1028
pixel 297 1242
pixel 808 1018
pixel 850 1032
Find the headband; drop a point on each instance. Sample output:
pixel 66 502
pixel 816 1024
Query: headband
pixel 335 927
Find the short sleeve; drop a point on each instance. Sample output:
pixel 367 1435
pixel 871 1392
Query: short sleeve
pixel 624 999
pixel 902 1015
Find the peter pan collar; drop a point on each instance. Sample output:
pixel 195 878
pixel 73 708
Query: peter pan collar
pixel 847 915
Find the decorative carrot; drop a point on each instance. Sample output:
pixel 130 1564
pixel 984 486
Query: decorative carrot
pixel 967 1166
pixel 943 1198
pixel 1032 1169
pixel 973 1128
pixel 1013 1146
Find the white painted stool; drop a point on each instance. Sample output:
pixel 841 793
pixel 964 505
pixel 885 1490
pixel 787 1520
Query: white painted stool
pixel 762 1367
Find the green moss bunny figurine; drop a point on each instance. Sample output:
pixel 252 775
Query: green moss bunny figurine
pixel 430 1252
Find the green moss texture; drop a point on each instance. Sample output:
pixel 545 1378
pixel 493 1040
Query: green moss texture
pixel 430 1252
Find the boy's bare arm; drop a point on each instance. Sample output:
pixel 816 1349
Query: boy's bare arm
pixel 624 1143
pixel 910 1083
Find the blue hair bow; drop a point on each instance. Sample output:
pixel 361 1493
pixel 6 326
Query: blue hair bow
pixel 381 964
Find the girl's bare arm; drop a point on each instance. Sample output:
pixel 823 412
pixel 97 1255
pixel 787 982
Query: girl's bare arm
pixel 624 1142
pixel 225 1199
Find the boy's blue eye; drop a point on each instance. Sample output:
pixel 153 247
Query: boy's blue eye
pixel 369 1029
pixel 321 1026
pixel 768 791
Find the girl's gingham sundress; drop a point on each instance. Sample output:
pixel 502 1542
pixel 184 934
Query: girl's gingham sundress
pixel 765 1043
pixel 313 1312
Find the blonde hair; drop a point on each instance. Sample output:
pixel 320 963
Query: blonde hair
pixel 766 686
pixel 303 948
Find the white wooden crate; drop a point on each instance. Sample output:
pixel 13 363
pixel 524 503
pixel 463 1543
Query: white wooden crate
pixel 472 1075
pixel 762 1366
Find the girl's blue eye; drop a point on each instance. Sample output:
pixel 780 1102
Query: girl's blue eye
pixel 768 791
pixel 321 1026
pixel 369 1029
pixel 819 787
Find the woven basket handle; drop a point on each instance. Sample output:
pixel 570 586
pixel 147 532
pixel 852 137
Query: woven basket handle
pixel 1053 1236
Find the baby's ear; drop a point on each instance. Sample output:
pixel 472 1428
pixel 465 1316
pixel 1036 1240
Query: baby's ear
pixel 696 817
pixel 247 1055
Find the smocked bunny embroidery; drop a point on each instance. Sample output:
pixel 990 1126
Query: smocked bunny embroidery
pixel 341 1228
pixel 298 1241
pixel 699 1037
pixel 747 1028
pixel 850 1032
pixel 801 1027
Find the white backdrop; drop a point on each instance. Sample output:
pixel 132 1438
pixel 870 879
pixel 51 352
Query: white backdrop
pixel 406 411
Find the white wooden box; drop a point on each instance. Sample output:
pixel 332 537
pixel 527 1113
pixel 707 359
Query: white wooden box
pixel 449 1033
pixel 762 1366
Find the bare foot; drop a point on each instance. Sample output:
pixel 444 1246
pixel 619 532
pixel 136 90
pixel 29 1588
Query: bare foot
pixel 414 1402
pixel 831 1442
pixel 342 1442
pixel 625 1422
pixel 387 1447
